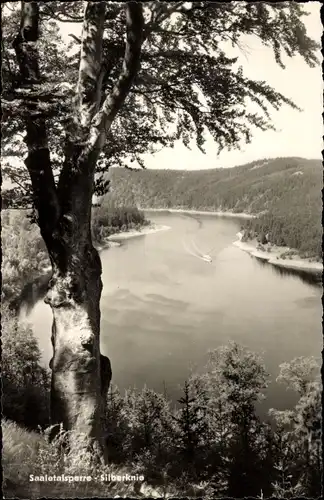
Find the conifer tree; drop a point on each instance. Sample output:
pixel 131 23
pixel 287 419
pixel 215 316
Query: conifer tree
pixel 192 427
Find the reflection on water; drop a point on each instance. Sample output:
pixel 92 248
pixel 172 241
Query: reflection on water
pixel 163 309
pixel 309 278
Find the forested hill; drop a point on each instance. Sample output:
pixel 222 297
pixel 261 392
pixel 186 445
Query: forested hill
pixel 287 189
pixel 250 188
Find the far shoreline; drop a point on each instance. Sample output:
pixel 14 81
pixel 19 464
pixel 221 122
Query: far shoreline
pixel 216 213
pixel 274 257
pixel 116 238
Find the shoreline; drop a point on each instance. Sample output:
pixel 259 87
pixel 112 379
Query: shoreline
pixel 274 257
pixel 218 213
pixel 116 238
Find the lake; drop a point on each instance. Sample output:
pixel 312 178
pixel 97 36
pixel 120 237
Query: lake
pixel 163 308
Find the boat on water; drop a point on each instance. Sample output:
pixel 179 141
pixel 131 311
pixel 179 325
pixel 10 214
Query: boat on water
pixel 195 252
pixel 192 248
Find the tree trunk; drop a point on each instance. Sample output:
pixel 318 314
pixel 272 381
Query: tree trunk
pixel 80 374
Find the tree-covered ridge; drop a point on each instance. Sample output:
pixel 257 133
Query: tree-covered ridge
pixel 285 191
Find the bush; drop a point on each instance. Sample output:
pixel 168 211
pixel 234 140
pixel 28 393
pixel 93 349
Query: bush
pixel 25 382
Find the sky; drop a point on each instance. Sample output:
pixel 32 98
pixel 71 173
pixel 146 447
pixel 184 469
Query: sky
pixel 299 133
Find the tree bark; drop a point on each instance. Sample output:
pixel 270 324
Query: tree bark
pixel 80 374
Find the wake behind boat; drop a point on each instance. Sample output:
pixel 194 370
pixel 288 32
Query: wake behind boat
pixel 195 252
pixel 193 249
pixel 207 258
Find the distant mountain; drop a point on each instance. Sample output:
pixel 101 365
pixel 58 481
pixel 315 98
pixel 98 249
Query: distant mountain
pixel 286 190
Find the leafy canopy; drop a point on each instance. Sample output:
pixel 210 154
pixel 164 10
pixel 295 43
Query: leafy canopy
pixel 186 89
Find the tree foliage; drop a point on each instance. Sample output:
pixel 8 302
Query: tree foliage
pixel 25 383
pixel 213 443
pixel 298 453
pixel 24 256
pixel 187 88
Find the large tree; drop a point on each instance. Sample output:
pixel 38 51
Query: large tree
pixel 143 76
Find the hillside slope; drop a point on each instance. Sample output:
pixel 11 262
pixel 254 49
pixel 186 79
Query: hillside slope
pixel 286 190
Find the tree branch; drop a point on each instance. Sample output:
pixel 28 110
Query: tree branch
pixel 113 102
pixel 23 188
pixel 75 182
pixel 88 87
pixel 38 159
pixel 75 38
pixel 53 15
pixel 163 14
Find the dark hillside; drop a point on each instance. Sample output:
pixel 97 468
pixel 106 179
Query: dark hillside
pixel 288 190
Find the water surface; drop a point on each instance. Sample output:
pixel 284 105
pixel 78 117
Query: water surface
pixel 163 309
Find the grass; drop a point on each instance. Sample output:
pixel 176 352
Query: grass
pixel 28 453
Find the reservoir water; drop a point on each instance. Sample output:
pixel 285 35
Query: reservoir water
pixel 163 309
